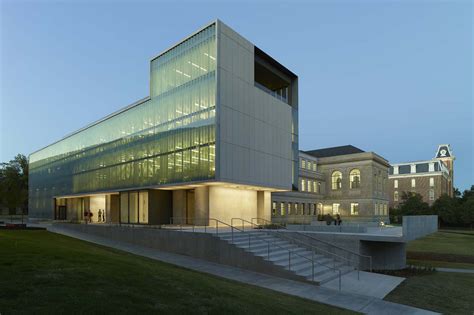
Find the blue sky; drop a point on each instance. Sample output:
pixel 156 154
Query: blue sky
pixel 390 77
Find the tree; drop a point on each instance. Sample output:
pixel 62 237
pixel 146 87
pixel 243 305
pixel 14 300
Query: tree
pixel 467 194
pixel 467 212
pixel 14 183
pixel 447 209
pixel 413 204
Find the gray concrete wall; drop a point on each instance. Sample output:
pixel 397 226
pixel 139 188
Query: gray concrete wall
pixel 416 226
pixel 385 255
pixel 199 245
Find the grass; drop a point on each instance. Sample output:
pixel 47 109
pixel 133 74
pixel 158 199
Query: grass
pixel 42 272
pixel 447 293
pixel 446 248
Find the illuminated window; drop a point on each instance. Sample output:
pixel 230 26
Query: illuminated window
pixel 355 208
pixel 282 208
pixel 303 184
pixel 303 163
pixel 335 208
pixel 395 183
pixel 315 187
pixel 376 208
pixel 314 167
pixel 309 165
pixel 354 178
pixel 431 182
pixel 413 183
pixel 310 186
pixel 274 208
pixel 320 208
pixel 395 196
pixel 336 180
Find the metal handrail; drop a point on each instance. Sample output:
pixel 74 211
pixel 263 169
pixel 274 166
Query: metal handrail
pixel 324 242
pixel 312 260
pixel 312 246
pixel 343 249
pixel 194 225
pixel 312 257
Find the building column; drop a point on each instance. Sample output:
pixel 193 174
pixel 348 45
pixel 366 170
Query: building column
pixel 179 206
pixel 201 204
pixel 264 205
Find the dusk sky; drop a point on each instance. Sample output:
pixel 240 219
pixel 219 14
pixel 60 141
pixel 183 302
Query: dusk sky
pixel 392 77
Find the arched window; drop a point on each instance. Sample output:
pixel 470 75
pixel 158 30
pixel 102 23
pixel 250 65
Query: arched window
pixel 336 180
pixel 354 177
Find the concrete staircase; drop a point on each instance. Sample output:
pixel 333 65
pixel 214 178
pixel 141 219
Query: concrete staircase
pixel 284 254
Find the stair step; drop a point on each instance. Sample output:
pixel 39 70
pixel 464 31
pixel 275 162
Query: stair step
pixel 276 253
pixel 301 264
pixel 308 271
pixel 255 241
pixel 263 248
pixel 328 276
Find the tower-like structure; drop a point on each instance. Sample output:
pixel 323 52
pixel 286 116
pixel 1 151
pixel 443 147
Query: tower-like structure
pixel 446 156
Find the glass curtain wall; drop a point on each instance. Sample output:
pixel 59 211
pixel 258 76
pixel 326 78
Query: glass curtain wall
pixel 168 138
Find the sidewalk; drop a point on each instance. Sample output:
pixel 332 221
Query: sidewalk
pixel 351 301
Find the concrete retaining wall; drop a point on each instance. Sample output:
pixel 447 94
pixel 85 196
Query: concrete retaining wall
pixel 327 228
pixel 416 226
pixel 385 255
pixel 199 245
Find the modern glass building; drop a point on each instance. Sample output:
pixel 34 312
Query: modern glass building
pixel 216 136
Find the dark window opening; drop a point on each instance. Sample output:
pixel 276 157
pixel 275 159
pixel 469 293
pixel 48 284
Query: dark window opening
pixel 271 77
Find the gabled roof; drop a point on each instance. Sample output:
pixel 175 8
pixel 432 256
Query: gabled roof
pixel 334 151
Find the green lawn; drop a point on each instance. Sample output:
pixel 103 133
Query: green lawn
pixel 42 272
pixel 446 248
pixel 447 293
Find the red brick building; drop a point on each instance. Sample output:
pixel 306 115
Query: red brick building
pixel 430 178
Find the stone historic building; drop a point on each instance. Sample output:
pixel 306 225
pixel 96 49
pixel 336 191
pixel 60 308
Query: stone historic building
pixel 341 180
pixel 430 178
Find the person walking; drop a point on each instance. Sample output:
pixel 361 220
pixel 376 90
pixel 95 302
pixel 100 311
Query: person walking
pixel 338 219
pixel 99 217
